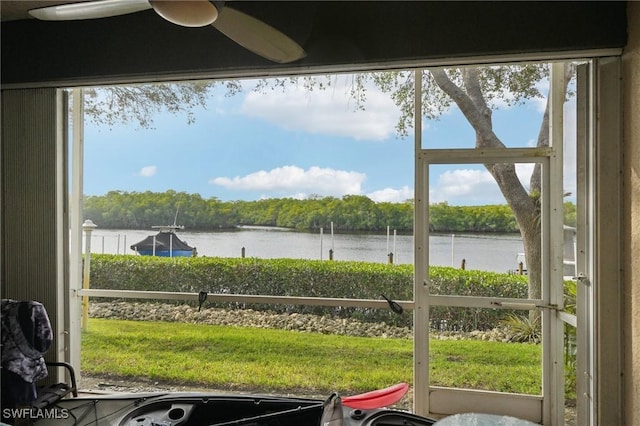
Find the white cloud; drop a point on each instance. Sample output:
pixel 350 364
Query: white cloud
pixel 296 181
pixel 473 186
pixel 148 171
pixel 541 103
pixel 328 112
pixel 524 171
pixel 462 183
pixel 465 187
pixel 392 195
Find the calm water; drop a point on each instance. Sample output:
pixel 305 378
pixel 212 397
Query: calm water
pixel 485 252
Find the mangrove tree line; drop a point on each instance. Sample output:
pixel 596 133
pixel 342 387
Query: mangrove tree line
pixel 351 213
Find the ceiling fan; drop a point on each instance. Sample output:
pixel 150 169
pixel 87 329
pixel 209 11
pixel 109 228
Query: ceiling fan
pixel 247 31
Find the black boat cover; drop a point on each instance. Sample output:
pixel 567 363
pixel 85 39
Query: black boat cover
pixel 164 241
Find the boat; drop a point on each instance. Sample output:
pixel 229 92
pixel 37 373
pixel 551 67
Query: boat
pixel 207 409
pixel 210 409
pixel 164 244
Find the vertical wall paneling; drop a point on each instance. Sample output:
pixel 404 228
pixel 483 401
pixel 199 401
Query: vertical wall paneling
pixel 30 188
pixel 608 276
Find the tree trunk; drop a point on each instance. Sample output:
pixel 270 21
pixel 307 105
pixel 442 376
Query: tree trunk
pixel 525 206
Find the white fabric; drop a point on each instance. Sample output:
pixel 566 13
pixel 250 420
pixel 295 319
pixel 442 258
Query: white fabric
pixel 479 419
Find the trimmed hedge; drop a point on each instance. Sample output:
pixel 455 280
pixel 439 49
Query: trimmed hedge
pixel 311 278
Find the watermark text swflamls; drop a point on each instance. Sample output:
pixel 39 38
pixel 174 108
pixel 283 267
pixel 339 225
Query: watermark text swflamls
pixel 28 413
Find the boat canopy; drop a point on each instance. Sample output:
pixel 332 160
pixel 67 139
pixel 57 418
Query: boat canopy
pixel 163 241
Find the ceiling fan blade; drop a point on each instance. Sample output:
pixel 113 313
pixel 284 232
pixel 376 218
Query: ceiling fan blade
pixel 89 10
pixel 258 37
pixel 186 13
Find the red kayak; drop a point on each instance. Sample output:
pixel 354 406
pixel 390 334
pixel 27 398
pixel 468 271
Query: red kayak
pixel 377 398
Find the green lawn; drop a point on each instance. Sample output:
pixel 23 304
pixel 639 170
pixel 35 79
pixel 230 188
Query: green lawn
pixel 240 358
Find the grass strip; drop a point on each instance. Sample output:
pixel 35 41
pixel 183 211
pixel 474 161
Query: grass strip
pixel 243 358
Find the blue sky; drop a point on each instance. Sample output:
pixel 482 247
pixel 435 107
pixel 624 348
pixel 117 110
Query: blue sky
pixel 294 144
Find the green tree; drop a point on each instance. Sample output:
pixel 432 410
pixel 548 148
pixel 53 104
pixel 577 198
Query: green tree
pixel 474 90
pixel 142 210
pixel 138 104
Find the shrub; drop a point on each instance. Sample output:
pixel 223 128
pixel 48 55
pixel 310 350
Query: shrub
pixel 523 328
pixel 311 278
